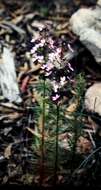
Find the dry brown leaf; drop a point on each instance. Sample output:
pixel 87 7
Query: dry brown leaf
pixel 30 29
pixel 58 18
pixel 37 24
pixel 20 74
pixel 33 132
pixel 11 116
pixel 30 15
pixel 84 145
pixel 5 179
pixel 14 115
pixel 36 96
pixel 62 26
pixel 17 19
pixel 7 152
pixel 34 68
pixel 34 79
pixel 72 108
pixel 25 83
pixel 11 106
pixel 20 11
pixel 65 31
pixel 24 68
pixel 65 135
pixel 12 26
pixel 60 178
pixel 73 92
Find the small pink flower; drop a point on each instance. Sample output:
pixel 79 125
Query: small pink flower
pixel 51 56
pixel 56 97
pixel 71 68
pixel 68 78
pixel 40 58
pixel 70 48
pixel 33 40
pixel 33 50
pixel 37 46
pixel 44 66
pixel 42 42
pixel 49 66
pixel 48 73
pixel 34 58
pixel 55 86
pixel 62 80
pixel 51 43
pixel 58 50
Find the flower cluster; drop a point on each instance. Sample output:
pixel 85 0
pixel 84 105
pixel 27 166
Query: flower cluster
pixel 50 53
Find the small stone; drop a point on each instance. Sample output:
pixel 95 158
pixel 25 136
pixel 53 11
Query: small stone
pixel 86 24
pixel 8 79
pixel 93 98
pixel 99 3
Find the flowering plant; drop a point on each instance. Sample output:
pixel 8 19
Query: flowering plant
pixel 51 54
pixel 57 75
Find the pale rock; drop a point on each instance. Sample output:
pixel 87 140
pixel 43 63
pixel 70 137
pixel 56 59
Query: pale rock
pixel 93 98
pixel 8 80
pixel 99 3
pixel 86 24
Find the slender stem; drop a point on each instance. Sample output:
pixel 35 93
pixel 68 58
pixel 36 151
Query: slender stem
pixel 75 130
pixel 42 138
pixel 57 139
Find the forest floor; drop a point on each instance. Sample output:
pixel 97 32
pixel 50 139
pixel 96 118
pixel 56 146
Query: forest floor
pixel 42 143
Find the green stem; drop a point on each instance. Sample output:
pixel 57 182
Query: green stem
pixel 75 137
pixel 74 148
pixel 42 138
pixel 57 139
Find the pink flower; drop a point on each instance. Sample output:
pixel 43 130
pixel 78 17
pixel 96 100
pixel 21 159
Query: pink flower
pixel 70 48
pixel 33 50
pixel 44 66
pixel 62 80
pixel 42 42
pixel 40 58
pixel 56 97
pixel 69 65
pixel 48 73
pixel 51 43
pixel 68 78
pixel 49 66
pixel 51 56
pixel 33 40
pixel 55 86
pixel 58 50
